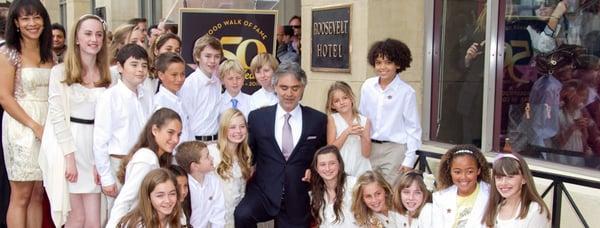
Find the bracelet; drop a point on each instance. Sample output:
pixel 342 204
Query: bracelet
pixel 554 17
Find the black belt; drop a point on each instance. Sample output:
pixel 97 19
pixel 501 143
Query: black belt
pixel 81 121
pixel 206 137
pixel 379 141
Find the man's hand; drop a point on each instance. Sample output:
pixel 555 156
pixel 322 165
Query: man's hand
pixel 306 177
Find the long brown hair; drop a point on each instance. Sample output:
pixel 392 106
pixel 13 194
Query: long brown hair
pixel 444 179
pixel 509 165
pixel 405 181
pixel 74 68
pixel 242 152
pixel 318 188
pixel 144 213
pixel 147 140
pixel 362 213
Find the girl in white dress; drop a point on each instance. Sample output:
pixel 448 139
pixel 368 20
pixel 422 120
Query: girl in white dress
pixel 413 201
pixel 514 200
pixel 25 62
pixel 347 129
pixel 233 159
pixel 152 151
pixel 74 88
pixel 331 189
pixel 158 203
pixel 463 188
pixel 372 202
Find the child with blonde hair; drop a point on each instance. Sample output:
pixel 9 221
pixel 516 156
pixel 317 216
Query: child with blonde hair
pixel 233 159
pixel 262 67
pixel 347 129
pixel 372 202
pixel 231 73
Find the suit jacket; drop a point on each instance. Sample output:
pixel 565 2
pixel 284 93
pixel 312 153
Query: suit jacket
pixel 275 178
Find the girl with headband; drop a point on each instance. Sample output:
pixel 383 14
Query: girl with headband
pixel 463 188
pixel 514 200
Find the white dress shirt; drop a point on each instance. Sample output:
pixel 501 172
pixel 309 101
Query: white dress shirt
pixel 201 95
pixel 243 103
pixel 143 161
pixel 295 124
pixel 120 117
pixel 393 114
pixel 262 98
pixel 207 202
pixel 166 99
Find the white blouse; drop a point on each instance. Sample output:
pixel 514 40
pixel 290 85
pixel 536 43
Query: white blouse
pixel 347 218
pixel 534 218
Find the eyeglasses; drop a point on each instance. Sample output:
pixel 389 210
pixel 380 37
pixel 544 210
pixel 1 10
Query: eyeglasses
pixel 295 26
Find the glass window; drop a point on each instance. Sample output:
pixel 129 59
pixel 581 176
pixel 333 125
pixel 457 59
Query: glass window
pixel 550 108
pixel 457 98
pixel 63 12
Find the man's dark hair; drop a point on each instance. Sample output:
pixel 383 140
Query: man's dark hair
pixel 57 26
pixel 294 17
pixel 150 29
pixel 131 50
pixel 135 21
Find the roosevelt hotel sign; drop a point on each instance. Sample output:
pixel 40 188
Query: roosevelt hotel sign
pixel 331 38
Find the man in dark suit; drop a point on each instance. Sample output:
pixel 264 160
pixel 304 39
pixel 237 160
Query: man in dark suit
pixel 283 139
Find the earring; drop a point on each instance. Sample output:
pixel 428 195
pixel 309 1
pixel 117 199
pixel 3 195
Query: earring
pixel 18 30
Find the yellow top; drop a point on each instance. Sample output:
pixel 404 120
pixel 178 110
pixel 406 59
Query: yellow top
pixel 464 206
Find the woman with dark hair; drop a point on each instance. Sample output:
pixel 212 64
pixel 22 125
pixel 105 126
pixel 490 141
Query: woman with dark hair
pixel 331 189
pixel 25 63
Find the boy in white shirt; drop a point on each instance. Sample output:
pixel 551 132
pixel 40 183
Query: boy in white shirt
pixel 262 67
pixel 231 74
pixel 201 91
pixel 206 194
pixel 391 105
pixel 170 68
pixel 121 113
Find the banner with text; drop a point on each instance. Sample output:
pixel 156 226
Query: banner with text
pixel 243 34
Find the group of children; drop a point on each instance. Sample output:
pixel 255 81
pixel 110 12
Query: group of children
pixel 469 194
pixel 125 133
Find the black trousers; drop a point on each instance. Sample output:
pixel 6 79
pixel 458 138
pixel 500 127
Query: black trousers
pixel 251 210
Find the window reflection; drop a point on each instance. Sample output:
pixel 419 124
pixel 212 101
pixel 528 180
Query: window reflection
pixel 550 102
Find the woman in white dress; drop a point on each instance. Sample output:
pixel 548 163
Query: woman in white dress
pixel 233 159
pixel 73 90
pixel 25 62
pixel 331 189
pixel 347 129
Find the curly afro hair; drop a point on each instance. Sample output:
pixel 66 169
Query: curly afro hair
pixel 393 50
pixel 444 179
